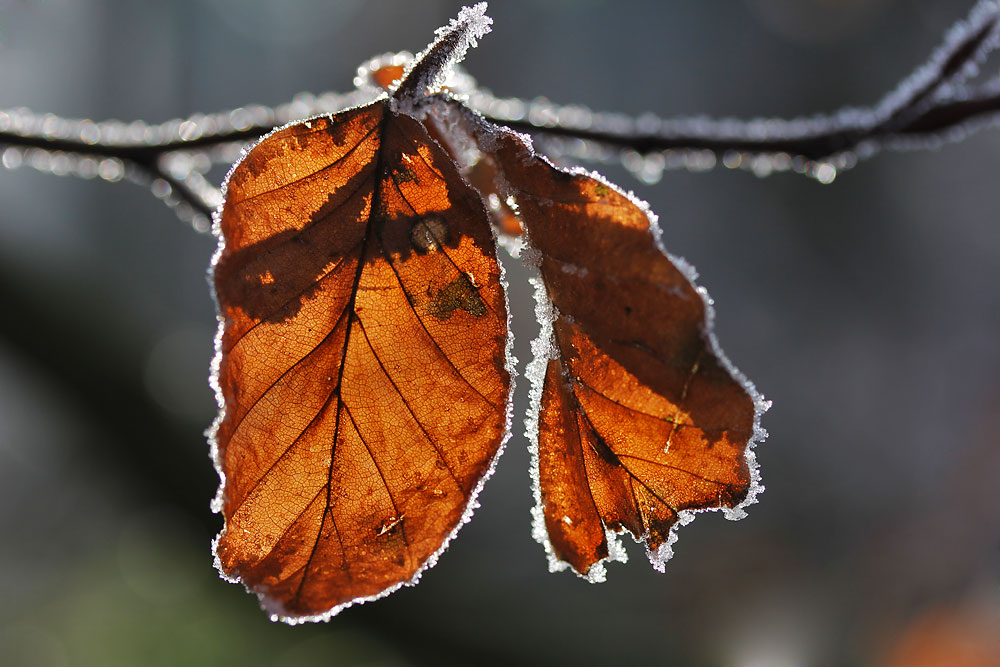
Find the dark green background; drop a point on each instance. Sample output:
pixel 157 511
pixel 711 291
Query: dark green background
pixel 868 310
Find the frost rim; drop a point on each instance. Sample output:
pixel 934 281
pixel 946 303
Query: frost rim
pixel 274 608
pixel 477 24
pixel 543 349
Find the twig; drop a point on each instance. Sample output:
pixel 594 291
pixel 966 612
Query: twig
pixel 934 102
pixel 813 139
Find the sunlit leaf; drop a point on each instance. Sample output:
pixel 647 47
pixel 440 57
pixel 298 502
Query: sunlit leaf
pixel 361 362
pixel 361 359
pixel 638 418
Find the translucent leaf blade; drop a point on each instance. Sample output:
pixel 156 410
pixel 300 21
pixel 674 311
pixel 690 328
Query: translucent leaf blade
pixel 361 361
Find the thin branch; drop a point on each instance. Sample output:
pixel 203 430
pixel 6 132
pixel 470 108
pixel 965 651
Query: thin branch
pixel 171 157
pixel 813 139
pixel 934 102
pixel 139 153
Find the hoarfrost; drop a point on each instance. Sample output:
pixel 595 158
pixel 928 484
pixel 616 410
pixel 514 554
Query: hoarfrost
pixel 473 23
pixel 980 31
pixel 429 70
pixel 848 135
pixel 468 123
pixel 660 556
pixel 543 349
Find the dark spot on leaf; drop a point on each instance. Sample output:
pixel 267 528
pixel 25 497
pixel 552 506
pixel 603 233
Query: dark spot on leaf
pixel 428 233
pixel 458 294
pixel 404 175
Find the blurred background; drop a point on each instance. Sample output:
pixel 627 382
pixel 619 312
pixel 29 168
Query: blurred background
pixel 866 309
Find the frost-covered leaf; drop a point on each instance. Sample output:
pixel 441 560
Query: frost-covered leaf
pixel 362 356
pixel 638 420
pixel 361 361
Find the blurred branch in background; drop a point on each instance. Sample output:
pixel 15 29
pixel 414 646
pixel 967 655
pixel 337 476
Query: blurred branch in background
pixel 937 102
pixel 868 311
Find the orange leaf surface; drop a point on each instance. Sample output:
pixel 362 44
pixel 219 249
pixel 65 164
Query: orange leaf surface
pixel 361 359
pixel 638 419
